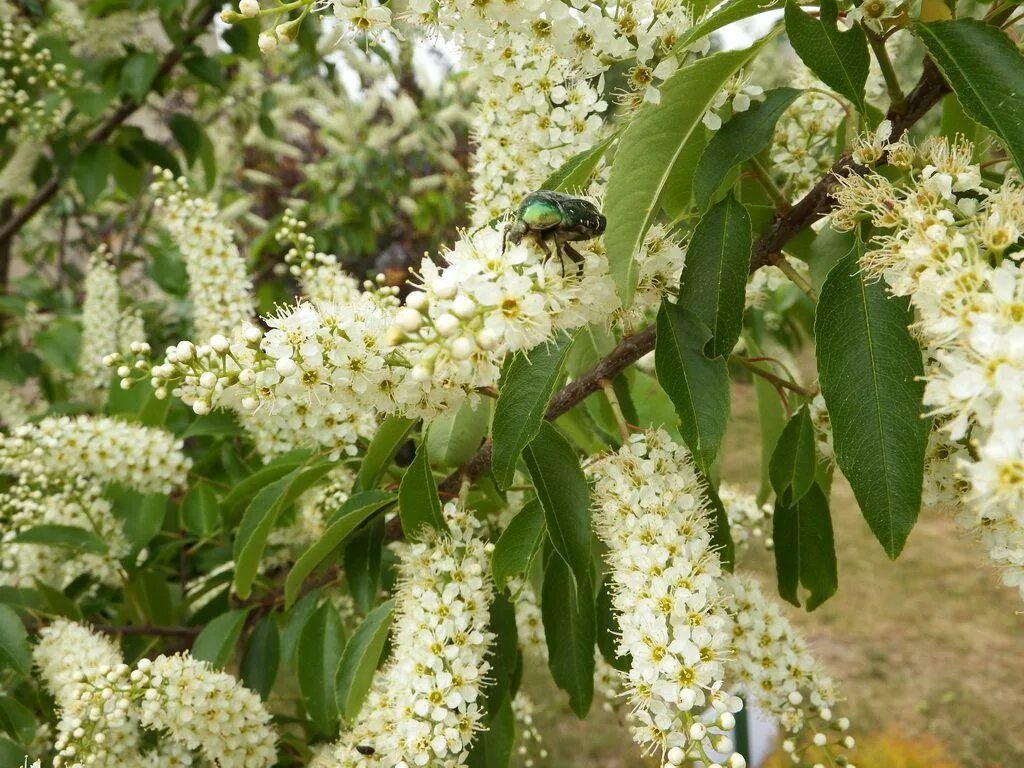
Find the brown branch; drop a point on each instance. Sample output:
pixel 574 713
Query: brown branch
pixel 106 129
pixel 816 203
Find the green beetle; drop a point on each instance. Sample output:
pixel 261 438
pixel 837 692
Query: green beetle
pixel 549 216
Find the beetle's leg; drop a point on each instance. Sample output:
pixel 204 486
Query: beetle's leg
pixel 504 239
pixel 576 256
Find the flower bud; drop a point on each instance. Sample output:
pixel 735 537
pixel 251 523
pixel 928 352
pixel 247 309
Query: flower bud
pixel 420 373
pixel 417 300
pixel 200 407
pixel 208 380
pixel 796 698
pixel 249 8
pixel 267 42
pixel 727 721
pixel 463 306
pixel 698 731
pixel 445 287
pixel 219 343
pixel 447 324
pixel 286 367
pixel 408 319
pixel 675 756
pixel 486 340
pixel 463 348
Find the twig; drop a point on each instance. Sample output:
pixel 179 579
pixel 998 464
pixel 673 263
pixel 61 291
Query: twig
pixel 147 630
pixel 774 379
pixel 613 402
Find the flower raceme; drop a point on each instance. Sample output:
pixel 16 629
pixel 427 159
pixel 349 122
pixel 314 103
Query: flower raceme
pixel 219 289
pixel 425 705
pixel 651 510
pixel 102 702
pixel 692 631
pixel 773 666
pixel 101 448
pixel 327 366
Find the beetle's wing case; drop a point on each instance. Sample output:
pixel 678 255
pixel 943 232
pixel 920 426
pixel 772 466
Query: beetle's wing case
pixel 583 216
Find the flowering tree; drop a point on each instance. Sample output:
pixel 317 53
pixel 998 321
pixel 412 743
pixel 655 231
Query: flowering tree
pixel 278 490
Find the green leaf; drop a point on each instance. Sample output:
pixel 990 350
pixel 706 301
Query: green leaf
pixel 262 657
pixel 677 196
pixel 503 655
pixel 714 283
pixel 564 496
pixel 363 564
pixel 721 535
pixel 794 460
pixel 727 13
pixel 67 536
pixel 187 133
pixel 14 650
pixel 360 660
pixel 456 435
pixel 526 386
pixel 352 513
pixel 741 138
pixel 805 551
pixel 517 544
pixel 574 174
pixel 390 435
pixel 59 343
pixel 200 510
pixel 137 74
pixel 294 622
pixel 986 71
pixel 260 479
pixel 91 171
pixel 320 649
pixel 216 643
pixel 11 753
pixel 17 720
pixel 870 371
pixel 144 517
pixel 647 153
pixel 260 517
pixel 608 629
pixel 492 747
pixel 206 69
pixel 570 626
pixel 839 59
pixel 698 386
pixel 418 503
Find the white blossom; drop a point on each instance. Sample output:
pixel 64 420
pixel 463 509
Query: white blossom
pixel 650 508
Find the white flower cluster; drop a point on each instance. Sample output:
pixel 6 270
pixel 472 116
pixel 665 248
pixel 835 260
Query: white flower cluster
pixel 651 510
pixel 822 424
pixel 424 706
pixel 953 246
pixel 102 702
pixel 773 667
pixel 101 448
pixel 748 520
pixel 321 277
pixel 538 66
pixel 32 85
pixel 30 502
pixel 802 147
pixel 205 709
pixel 219 289
pixel 106 326
pixel 487 302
